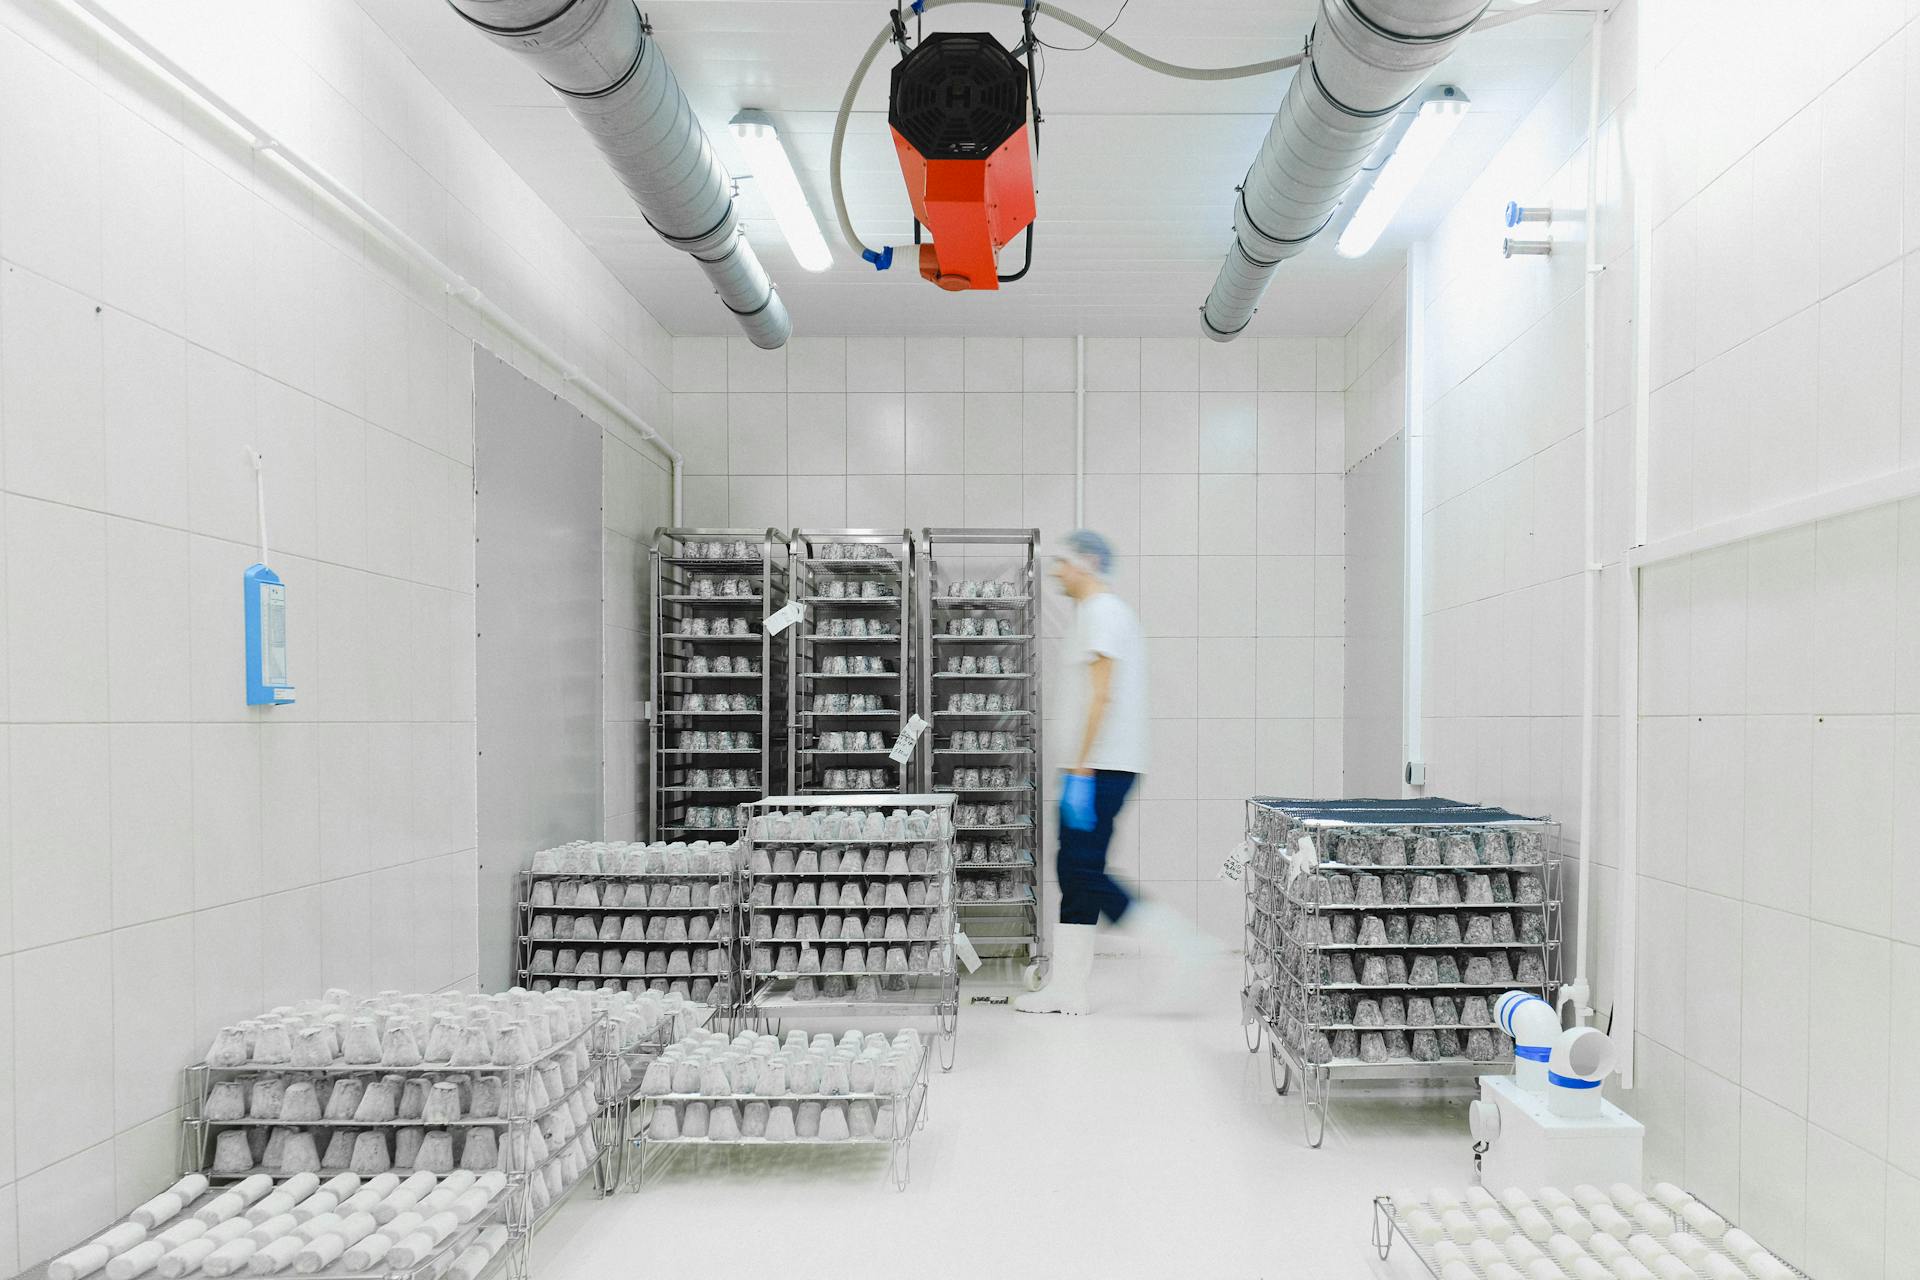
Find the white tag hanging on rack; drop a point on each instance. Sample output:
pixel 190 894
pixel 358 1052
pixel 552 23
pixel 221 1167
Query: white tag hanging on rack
pixel 1305 858
pixel 964 948
pixel 909 739
pixel 785 616
pixel 1236 864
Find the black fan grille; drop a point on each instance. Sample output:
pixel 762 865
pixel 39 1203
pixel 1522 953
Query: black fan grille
pixel 958 96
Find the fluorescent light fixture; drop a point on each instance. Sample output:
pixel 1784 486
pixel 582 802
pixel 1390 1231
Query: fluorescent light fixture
pixel 1405 165
pixel 773 168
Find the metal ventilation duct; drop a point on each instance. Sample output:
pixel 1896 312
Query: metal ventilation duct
pixel 597 55
pixel 1364 58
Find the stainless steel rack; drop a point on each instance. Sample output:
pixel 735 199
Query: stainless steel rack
pixel 550 915
pixel 978 683
pixel 773 989
pixel 1420 866
pixel 854 643
pixel 689 568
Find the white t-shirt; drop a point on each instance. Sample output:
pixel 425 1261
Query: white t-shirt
pixel 1105 627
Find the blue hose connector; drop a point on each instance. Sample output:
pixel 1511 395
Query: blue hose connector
pixel 881 260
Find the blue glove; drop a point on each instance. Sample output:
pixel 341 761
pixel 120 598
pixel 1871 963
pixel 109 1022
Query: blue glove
pixel 1076 801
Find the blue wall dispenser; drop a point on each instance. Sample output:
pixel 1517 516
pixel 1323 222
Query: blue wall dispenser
pixel 265 607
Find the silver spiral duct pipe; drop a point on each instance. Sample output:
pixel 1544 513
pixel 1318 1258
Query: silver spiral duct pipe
pixel 598 57
pixel 1363 60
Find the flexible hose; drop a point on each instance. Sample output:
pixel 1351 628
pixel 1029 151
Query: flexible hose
pixel 1100 36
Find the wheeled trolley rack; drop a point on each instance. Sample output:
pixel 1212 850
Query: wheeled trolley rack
pixel 717 680
pixel 1380 933
pixel 852 659
pixel 981 692
pixel 848 907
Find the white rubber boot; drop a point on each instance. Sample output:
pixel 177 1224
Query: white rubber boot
pixel 1066 989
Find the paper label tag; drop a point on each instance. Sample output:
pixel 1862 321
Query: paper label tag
pixel 909 739
pixel 785 616
pixel 1305 857
pixel 963 947
pixel 1236 864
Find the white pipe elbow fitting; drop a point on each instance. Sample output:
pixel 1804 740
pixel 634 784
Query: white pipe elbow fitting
pixel 1581 1059
pixel 1534 1026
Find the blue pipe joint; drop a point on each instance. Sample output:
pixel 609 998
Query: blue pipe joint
pixel 881 260
pixel 1513 213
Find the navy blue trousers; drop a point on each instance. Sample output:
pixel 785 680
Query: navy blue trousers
pixel 1087 892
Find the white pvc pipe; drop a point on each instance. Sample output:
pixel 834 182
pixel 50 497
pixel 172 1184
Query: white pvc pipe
pixel 1535 1027
pixel 97 15
pixel 1579 992
pixel 1080 432
pixel 1582 1057
pixel 1413 531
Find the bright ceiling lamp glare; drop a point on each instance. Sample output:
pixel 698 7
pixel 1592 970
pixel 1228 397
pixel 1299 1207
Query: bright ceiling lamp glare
pixel 760 142
pixel 1405 165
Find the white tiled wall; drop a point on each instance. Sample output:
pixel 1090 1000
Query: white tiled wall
pixel 1776 947
pixel 1215 470
pixel 1375 540
pixel 169 858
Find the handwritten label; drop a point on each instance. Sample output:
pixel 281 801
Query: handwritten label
pixel 963 947
pixel 909 739
pixel 785 616
pixel 1236 864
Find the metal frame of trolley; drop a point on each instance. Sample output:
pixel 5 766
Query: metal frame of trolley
pixel 771 991
pixel 838 575
pixel 682 659
pixel 952 558
pixel 1286 994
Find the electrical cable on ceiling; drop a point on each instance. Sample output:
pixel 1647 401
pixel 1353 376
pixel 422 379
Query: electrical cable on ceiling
pixel 1099 36
pixel 1089 44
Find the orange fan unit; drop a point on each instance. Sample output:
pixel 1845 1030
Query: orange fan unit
pixel 958 113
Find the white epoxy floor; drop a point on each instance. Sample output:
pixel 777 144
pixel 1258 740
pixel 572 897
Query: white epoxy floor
pixel 1120 1145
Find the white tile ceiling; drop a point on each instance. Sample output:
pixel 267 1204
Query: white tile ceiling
pixel 1136 171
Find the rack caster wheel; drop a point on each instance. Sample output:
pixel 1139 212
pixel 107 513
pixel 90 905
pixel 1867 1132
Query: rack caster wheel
pixel 1278 1069
pixel 1034 976
pixel 1252 1032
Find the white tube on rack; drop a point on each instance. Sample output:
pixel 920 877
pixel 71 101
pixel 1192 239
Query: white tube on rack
pixel 1573 1222
pixel 1493 1224
pixel 1590 1197
pixel 341 1185
pixel 1645 1247
pixel 1628 1267
pixel 170 1202
pixel 470 1205
pixel 320 1202
pixel 1565 1249
pixel 1767 1267
pixel 1501 1271
pixel 1740 1244
pixel 1424 1226
pixel 475 1257
pixel 1691 1250
pixel 325 1224
pixel 1652 1219
pixel 1484 1253
pixel 230 1257
pixel 1703 1220
pixel 1457 1271
pixel 1625 1195
pixel 1669 1195
pixel 1668 1267
pixel 187 1257
pixel 265 1233
pixel 1606 1246
pixel 1585 1268
pixel 1610 1220
pixel 414 1249
pixel 1545 1269
pixel 1479 1198
pixel 136 1261
pixel 1459 1227
pixel 1522 1251
pixel 83 1261
pixel 275 1257
pixel 1537 1226
pixel 1720 1267
pixel 181 1233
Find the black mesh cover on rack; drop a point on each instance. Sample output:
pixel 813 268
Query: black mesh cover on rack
pixel 1411 811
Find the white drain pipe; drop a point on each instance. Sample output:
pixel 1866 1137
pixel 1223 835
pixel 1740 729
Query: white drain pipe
pixel 1363 59
pixel 597 55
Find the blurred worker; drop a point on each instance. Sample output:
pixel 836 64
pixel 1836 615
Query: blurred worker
pixel 1105 657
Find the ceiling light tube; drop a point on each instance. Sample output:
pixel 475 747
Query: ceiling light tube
pixel 1406 163
pixel 760 141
